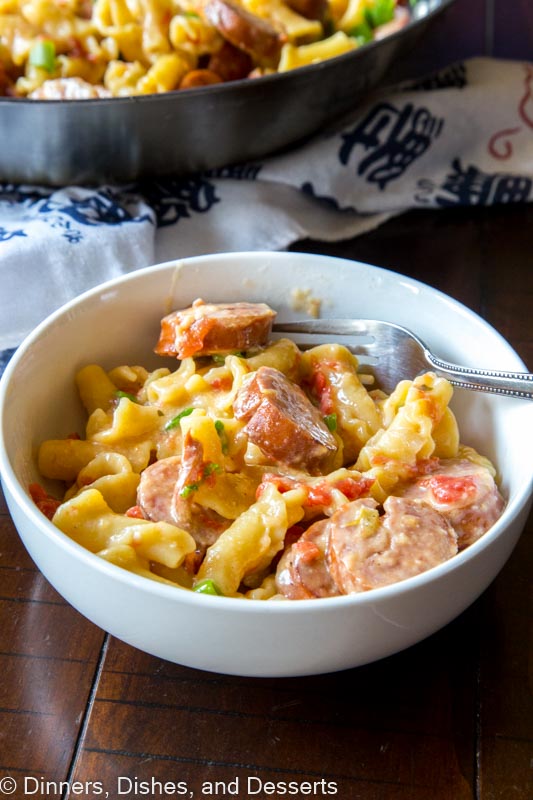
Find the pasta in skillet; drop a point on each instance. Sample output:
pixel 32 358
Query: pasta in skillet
pixel 260 470
pixel 80 49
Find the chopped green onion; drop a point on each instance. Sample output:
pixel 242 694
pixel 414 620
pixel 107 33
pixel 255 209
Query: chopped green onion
pixel 223 436
pixel 189 489
pixel 331 421
pixel 192 14
pixel 175 421
pixel 220 358
pixel 380 12
pixel 129 396
pixel 43 55
pixel 362 33
pixel 210 468
pixel 207 586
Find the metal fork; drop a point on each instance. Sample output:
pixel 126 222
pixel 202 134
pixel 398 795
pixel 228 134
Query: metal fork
pixel 392 353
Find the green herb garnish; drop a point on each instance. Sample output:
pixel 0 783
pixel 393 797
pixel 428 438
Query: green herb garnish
pixel 207 586
pixel 220 358
pixel 189 489
pixel 380 12
pixel 362 33
pixel 43 55
pixel 175 421
pixel 211 468
pixel 128 395
pixel 222 435
pixel 331 421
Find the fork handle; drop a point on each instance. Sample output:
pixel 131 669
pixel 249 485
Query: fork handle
pixel 512 384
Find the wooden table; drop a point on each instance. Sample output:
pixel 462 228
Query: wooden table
pixel 449 719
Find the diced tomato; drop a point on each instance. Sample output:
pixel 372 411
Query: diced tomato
pixel 319 493
pixel 222 384
pixel 318 382
pixel 353 488
pixel 322 390
pixel 135 512
pixel 282 484
pixel 306 552
pixel 379 460
pixel 451 489
pixel 44 502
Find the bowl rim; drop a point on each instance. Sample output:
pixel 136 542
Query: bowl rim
pixel 21 498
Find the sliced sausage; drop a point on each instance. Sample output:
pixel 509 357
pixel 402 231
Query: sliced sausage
pixel 366 550
pixel 465 493
pixel 230 63
pixel 159 497
pixel 191 466
pixel 282 421
pixel 302 571
pixel 245 30
pixel 199 77
pixel 210 328
pixel 156 489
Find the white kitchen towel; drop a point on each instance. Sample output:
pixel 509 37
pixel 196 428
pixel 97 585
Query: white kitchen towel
pixel 462 137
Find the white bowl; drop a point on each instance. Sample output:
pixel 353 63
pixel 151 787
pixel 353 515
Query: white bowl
pixel 119 323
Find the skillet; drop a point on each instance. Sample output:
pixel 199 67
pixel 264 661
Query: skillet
pixel 117 140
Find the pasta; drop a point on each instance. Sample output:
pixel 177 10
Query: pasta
pixel 273 472
pixel 80 49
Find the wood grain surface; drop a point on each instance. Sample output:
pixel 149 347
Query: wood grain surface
pixel 82 714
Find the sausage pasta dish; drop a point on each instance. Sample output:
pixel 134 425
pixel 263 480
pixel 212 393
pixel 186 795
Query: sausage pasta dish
pixel 259 469
pixel 83 49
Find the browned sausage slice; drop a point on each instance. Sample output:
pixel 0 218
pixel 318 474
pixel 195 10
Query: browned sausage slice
pixel 210 328
pixel 366 550
pixel 465 493
pixel 230 63
pixel 156 489
pixel 302 571
pixel 248 32
pixel 159 496
pixel 282 421
pixel 199 77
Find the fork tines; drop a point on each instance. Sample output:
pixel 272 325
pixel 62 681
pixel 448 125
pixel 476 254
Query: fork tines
pixel 353 334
